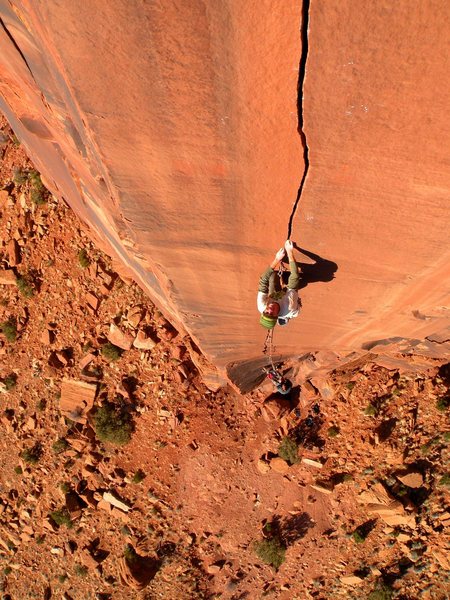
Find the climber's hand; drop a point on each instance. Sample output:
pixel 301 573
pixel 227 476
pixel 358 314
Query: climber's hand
pixel 279 255
pixel 289 246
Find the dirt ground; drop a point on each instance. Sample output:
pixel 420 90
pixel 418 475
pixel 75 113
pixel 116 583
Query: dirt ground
pixel 337 492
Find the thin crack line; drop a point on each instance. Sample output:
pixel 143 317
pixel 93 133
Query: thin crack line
pixel 13 41
pixel 300 85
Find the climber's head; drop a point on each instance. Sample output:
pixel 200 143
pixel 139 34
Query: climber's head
pixel 272 309
pixel 269 317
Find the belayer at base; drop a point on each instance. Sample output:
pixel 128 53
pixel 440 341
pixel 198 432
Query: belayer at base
pixel 275 304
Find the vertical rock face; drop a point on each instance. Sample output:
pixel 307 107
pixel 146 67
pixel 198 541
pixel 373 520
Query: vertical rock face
pixel 171 129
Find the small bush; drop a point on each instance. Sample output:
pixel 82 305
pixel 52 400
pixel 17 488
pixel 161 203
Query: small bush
pixel 60 445
pixel 83 258
pixel 62 517
pixel 64 487
pixel 38 197
pixel 130 554
pixel 288 450
pixel 138 476
pixel 32 455
pixel 443 403
pixel 445 479
pixel 113 424
pixel 370 410
pixel 271 551
pixel 80 570
pixel 7 570
pixel 111 352
pixel 25 286
pixel 20 176
pixel 446 436
pixel 38 192
pixel 9 330
pixel 62 578
pixel 10 382
pixel 381 592
pixel 358 537
pixel 18 470
pixel 333 431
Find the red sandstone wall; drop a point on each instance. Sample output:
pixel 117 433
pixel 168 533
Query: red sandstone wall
pixel 170 128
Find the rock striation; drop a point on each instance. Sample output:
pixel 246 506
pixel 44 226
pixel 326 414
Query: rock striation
pixel 171 130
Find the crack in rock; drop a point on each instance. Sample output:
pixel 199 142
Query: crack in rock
pixel 300 85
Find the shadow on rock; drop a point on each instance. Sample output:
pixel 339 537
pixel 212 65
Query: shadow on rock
pixel 290 529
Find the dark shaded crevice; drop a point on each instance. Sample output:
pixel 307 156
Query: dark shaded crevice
pixel 13 41
pixel 300 85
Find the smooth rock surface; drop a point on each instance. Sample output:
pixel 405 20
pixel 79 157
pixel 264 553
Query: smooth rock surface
pixel 171 129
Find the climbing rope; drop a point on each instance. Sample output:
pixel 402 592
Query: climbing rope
pixel 268 347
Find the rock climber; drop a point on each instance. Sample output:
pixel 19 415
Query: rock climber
pixel 275 304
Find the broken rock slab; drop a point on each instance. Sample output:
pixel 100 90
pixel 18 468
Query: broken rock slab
pixel 117 337
pixel 116 502
pixel 391 511
pixel 7 277
pixel 144 342
pixel 77 399
pixel 412 479
pixel 279 465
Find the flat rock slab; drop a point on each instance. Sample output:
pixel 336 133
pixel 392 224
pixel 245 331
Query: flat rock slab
pixel 413 479
pixel 117 502
pixel 119 338
pixel 77 399
pixel 7 277
pixel 279 465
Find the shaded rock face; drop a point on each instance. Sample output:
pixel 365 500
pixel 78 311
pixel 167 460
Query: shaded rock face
pixel 171 130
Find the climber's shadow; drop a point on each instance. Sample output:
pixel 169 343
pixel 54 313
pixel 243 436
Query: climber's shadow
pixel 320 270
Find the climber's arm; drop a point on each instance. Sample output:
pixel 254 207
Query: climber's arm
pixel 294 279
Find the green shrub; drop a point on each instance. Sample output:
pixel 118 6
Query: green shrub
pixel 111 352
pixel 80 570
pixel 60 445
pixel 358 537
pixel 370 410
pixel 445 479
pixel 10 382
pixel 83 258
pixel 333 431
pixel 18 470
pixel 113 424
pixel 271 551
pixel 38 197
pixel 288 450
pixel 20 176
pixel 130 554
pixel 25 286
pixel 38 192
pixel 7 570
pixel 443 403
pixel 32 455
pixel 9 329
pixel 64 487
pixel 446 436
pixel 62 517
pixel 138 476
pixel 381 592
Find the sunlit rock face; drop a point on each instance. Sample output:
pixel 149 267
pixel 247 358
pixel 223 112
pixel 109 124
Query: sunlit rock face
pixel 171 130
